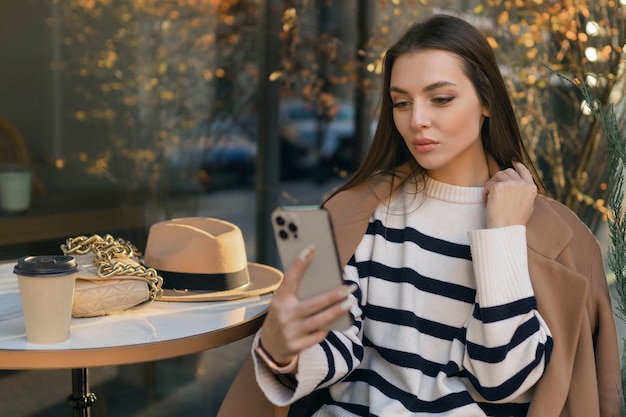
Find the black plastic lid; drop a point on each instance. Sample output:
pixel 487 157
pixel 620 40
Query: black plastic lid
pixel 45 266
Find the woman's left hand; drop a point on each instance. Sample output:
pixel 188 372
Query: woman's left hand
pixel 509 196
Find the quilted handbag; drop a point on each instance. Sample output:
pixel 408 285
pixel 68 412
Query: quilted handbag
pixel 110 277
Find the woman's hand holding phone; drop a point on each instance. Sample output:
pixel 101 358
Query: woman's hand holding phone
pixel 293 324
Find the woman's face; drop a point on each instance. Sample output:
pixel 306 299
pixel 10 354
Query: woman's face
pixel 438 113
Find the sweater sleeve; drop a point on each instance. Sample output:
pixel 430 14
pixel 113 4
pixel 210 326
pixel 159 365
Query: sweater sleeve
pixel 320 365
pixel 507 344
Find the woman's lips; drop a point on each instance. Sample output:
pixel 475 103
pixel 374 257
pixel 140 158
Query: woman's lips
pixel 424 145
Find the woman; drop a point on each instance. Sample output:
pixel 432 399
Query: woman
pixel 473 294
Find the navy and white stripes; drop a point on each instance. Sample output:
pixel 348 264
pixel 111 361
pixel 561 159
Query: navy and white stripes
pixel 446 323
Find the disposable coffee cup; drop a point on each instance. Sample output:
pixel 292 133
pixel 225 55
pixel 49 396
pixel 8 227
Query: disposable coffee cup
pixel 46 285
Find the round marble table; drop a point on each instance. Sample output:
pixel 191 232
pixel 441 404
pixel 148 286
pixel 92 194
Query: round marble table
pixel 160 331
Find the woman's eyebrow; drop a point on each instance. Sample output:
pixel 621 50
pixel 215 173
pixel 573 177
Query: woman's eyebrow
pixel 438 84
pixel 429 87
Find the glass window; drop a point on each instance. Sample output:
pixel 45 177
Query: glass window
pixel 123 114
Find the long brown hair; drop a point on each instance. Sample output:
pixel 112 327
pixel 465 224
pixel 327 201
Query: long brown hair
pixel 500 132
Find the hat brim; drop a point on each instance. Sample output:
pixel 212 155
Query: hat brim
pixel 263 279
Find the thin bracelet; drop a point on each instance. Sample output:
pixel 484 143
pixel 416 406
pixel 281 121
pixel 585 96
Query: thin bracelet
pixel 271 363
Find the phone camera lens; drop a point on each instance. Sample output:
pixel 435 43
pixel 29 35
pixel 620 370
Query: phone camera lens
pixel 283 234
pixel 280 221
pixel 292 227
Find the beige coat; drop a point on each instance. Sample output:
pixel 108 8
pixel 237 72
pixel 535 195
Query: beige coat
pixel 583 376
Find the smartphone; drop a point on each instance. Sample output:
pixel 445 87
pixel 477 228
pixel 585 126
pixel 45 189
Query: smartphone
pixel 297 227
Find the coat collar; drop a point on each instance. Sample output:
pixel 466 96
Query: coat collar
pixel 546 232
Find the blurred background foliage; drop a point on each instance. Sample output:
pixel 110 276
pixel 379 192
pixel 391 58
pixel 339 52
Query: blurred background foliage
pixel 164 71
pixel 541 45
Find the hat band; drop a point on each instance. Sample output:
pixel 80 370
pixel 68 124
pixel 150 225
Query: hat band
pixel 207 282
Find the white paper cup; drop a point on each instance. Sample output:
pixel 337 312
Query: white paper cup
pixel 46 286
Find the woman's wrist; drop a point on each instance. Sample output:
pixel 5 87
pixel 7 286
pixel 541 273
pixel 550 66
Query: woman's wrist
pixel 271 363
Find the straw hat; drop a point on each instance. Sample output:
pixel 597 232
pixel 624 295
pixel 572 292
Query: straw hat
pixel 204 259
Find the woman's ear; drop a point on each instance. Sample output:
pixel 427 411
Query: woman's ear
pixel 485 111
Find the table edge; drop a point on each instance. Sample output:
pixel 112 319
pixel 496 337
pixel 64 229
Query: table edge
pixel 124 355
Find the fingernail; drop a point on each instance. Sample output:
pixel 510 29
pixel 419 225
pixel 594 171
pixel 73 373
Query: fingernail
pixel 348 289
pixel 307 252
pixel 349 303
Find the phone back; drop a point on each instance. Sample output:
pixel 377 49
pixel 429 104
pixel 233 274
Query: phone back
pixel 297 227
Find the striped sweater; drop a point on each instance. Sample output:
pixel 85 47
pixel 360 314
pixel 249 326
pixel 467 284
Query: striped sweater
pixel 446 323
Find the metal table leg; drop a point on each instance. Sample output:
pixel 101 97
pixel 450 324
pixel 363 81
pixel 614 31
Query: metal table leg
pixel 81 399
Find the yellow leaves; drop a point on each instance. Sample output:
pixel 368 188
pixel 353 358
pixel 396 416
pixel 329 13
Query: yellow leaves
pixel 605 53
pixel 503 18
pixel 100 167
pixel 598 55
pixel 598 204
pixel 131 101
pixel 104 114
pixel 276 75
pixel 108 61
pixel 151 84
pixel 375 67
pixel 167 95
pixel 289 19
pixel 87 4
pixel 162 68
pixel 208 39
pixel 141 155
pixel 515 29
pixel 527 40
pixel 290 14
pixel 492 42
pixel 479 8
pixel 524 121
pixel 571 35
pixel 532 53
pixel 112 86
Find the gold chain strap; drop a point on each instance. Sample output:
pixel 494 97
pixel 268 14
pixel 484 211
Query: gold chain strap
pixel 106 250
